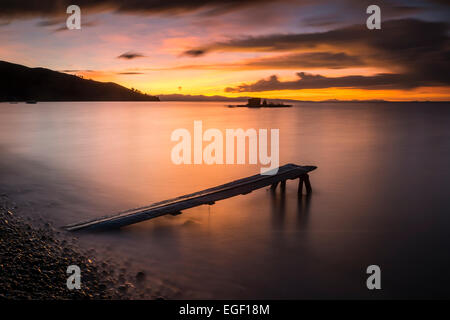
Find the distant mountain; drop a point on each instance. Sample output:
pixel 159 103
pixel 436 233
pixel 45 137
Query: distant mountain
pixel 188 97
pixel 20 83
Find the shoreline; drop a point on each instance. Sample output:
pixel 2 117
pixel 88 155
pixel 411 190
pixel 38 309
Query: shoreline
pixel 35 260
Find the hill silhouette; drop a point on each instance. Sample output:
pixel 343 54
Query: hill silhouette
pixel 20 83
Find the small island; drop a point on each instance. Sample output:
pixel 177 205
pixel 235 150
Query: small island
pixel 256 103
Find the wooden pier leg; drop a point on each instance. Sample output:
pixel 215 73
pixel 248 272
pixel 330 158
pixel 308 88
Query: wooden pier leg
pixel 283 185
pixel 307 184
pixel 300 186
pixel 274 186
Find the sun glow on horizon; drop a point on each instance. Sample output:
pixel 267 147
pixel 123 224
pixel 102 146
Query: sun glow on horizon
pixel 192 54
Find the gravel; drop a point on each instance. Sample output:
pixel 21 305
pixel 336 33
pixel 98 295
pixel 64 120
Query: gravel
pixel 34 261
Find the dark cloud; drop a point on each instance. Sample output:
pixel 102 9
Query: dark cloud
pixel 309 81
pixel 63 27
pixel 130 55
pixel 49 22
pixel 418 49
pixel 306 60
pixel 395 34
pixel 129 73
pixel 26 8
pixel 321 20
pixel 354 11
pixel 88 70
pixel 61 24
pixel 194 53
pixel 441 2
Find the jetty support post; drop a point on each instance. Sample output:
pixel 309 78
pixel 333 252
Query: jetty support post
pixel 300 186
pixel 308 184
pixel 274 186
pixel 304 179
pixel 283 186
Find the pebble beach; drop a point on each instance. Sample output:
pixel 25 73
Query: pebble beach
pixel 34 261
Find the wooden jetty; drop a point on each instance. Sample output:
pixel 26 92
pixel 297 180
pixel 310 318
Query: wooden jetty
pixel 208 196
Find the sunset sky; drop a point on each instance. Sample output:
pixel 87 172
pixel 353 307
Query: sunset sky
pixel 295 49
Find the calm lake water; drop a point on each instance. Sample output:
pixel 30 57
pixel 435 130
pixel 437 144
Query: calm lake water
pixel 381 195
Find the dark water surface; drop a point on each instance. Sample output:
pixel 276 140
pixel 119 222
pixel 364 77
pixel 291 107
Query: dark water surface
pixel 381 195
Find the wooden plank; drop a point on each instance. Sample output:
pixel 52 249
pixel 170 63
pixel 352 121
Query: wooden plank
pixel 207 196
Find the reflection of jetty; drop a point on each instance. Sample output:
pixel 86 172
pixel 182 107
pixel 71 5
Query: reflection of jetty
pixel 208 196
pixel 256 103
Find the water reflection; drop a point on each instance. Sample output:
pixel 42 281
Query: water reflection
pixel 278 207
pixel 303 210
pixel 94 159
